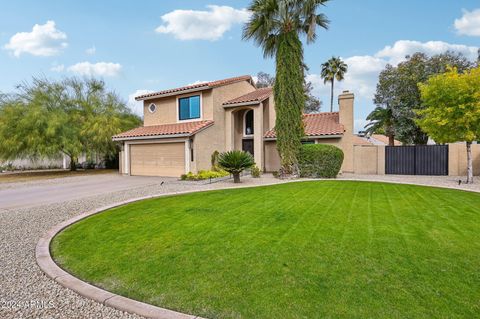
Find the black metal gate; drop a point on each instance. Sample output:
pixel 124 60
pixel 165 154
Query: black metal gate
pixel 416 160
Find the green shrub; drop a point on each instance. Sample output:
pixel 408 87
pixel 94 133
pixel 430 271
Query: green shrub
pixel 255 171
pixel 320 160
pixel 275 174
pixel 235 162
pixel 202 175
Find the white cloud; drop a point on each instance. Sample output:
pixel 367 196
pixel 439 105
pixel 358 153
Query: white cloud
pixel 361 78
pixel 91 51
pixel 396 53
pixel 202 25
pixel 469 23
pixel 96 69
pixel 197 82
pixel 58 68
pixel 363 71
pixel 43 40
pixel 136 106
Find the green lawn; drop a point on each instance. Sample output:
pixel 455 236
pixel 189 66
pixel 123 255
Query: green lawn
pixel 322 249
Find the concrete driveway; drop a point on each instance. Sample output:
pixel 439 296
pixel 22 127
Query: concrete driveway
pixel 32 194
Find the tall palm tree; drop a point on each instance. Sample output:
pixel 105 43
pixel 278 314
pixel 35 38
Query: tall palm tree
pixel 382 121
pixel 276 26
pixel 333 69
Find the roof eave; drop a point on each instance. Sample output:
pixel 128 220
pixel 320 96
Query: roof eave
pixel 226 106
pixel 150 137
pixel 309 137
pixel 156 96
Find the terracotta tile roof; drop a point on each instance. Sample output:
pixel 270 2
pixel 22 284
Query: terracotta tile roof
pixel 383 139
pixel 206 85
pixel 187 128
pixel 258 95
pixel 318 124
pixel 359 140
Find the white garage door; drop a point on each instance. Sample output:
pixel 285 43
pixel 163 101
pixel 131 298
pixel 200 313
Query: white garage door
pixel 157 159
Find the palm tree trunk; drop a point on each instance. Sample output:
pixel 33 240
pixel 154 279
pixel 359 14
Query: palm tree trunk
pixel 331 97
pixel 236 177
pixel 469 163
pixel 289 101
pixel 391 140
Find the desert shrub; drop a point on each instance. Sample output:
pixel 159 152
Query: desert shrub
pixel 255 171
pixel 320 160
pixel 202 175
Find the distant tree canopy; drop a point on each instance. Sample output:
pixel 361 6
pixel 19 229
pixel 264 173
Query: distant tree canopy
pixel 44 118
pixel 312 103
pixel 398 91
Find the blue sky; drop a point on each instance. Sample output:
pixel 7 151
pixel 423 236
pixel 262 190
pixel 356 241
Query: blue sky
pixel 139 46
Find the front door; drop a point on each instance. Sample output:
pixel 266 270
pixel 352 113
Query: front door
pixel 247 146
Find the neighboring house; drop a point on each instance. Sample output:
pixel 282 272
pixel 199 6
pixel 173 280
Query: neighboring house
pixel 184 126
pixel 374 139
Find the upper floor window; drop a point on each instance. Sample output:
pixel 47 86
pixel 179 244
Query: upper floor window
pixel 189 108
pixel 248 122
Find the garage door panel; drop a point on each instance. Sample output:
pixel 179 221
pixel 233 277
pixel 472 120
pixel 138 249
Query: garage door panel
pixel 166 159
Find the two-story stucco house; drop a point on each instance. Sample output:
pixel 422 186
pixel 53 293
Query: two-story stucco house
pixel 184 126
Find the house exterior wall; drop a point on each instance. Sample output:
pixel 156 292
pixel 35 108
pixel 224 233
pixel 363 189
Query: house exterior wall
pixel 272 158
pixel 167 108
pixel 346 142
pixel 214 138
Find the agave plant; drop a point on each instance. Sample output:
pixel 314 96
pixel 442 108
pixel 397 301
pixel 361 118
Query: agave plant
pixel 235 162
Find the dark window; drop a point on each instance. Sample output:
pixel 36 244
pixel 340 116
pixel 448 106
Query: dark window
pixel 308 142
pixel 249 123
pixel 189 107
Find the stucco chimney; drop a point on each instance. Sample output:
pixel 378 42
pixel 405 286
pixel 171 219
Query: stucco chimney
pixel 345 106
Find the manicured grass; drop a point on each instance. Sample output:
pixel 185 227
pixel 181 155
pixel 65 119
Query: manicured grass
pixel 322 249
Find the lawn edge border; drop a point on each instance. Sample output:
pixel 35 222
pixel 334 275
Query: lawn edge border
pixel 51 269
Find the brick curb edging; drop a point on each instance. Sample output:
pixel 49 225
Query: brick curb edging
pixel 52 270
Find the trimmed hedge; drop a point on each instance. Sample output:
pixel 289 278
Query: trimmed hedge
pixel 320 160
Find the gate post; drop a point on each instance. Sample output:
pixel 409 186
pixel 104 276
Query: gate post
pixel 380 159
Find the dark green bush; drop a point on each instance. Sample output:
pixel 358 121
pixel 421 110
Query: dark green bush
pixel 320 160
